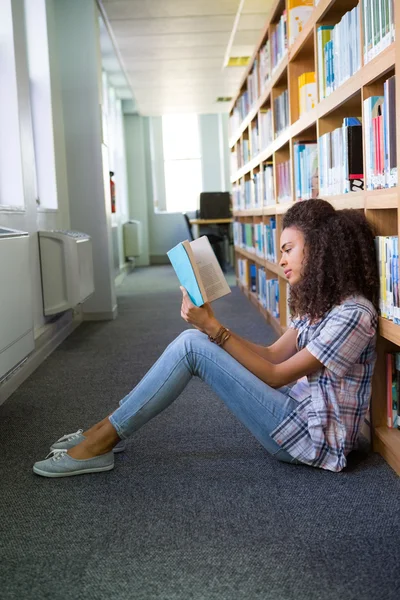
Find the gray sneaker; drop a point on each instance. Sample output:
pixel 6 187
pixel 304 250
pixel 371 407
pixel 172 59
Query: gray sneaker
pixel 69 440
pixel 59 464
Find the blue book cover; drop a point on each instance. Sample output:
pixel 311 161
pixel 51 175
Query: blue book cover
pixel 180 260
pixel 198 270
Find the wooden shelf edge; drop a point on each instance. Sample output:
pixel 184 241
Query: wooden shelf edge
pixel 389 331
pixel 387 442
pixel 380 199
pixel 387 198
pixel 354 200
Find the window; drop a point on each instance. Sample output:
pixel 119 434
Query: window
pixel 41 105
pixel 182 162
pixel 11 176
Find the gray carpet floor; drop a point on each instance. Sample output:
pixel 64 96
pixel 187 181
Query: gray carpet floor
pixel 195 508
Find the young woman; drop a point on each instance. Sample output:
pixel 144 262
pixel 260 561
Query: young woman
pixel 329 348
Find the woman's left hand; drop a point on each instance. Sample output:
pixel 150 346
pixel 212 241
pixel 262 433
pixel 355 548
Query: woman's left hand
pixel 200 317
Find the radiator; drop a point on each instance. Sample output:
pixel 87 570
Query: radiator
pixel 132 238
pixel 66 262
pixel 16 316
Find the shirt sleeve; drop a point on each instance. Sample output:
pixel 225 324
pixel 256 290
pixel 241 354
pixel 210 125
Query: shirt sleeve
pixel 343 338
pixel 295 323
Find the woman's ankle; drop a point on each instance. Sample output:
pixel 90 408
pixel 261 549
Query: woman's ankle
pixel 95 427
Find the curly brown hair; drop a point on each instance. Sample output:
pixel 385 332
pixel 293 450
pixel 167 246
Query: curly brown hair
pixel 340 258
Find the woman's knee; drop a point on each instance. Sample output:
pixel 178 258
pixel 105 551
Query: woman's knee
pixel 190 334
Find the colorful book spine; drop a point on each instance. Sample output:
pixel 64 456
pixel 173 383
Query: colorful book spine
pixel 392 390
pixel 307 92
pixel 299 11
pixel 378 26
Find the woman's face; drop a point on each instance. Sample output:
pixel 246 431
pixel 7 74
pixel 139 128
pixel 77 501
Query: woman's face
pixel 292 248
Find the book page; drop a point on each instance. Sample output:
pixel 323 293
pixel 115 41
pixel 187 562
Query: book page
pixel 210 271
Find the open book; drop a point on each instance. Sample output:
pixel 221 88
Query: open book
pixel 198 270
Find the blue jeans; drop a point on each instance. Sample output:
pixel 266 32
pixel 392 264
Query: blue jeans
pixel 258 406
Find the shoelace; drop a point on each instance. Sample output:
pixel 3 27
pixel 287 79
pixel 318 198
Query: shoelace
pixel 56 454
pixel 70 436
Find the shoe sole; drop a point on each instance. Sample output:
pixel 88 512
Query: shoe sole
pixel 115 450
pixel 82 472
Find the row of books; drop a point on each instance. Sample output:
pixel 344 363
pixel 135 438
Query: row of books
pixel 265 128
pixel 242 153
pixel 339 52
pixel 387 252
pixel 252 84
pixel 255 278
pixel 380 137
pixel 265 65
pixel 338 48
pixel 306 170
pixel 279 42
pixel 378 26
pixel 261 138
pixel 257 238
pixel 255 192
pixel 341 159
pixel 393 389
pixel 281 113
pixel 268 292
pixel 239 112
pixel 284 187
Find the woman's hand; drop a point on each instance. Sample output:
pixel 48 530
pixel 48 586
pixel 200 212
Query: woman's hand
pixel 201 317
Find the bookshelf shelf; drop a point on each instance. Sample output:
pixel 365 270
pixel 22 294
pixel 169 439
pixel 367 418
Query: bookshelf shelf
pixel 353 200
pixel 389 331
pixel 381 199
pixel 279 158
pixel 387 443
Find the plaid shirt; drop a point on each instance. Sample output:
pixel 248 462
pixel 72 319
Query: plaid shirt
pixel 324 427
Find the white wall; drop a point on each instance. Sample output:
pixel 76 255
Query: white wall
pixel 146 176
pixel 77 33
pixel 82 192
pixel 29 217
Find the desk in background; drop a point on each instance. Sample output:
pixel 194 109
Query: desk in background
pixel 224 227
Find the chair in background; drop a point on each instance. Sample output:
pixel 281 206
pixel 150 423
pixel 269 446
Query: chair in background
pixel 215 240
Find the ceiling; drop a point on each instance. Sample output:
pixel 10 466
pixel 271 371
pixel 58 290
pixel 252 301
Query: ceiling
pixel 173 51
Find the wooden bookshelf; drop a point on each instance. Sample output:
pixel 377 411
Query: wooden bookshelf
pixel 381 206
